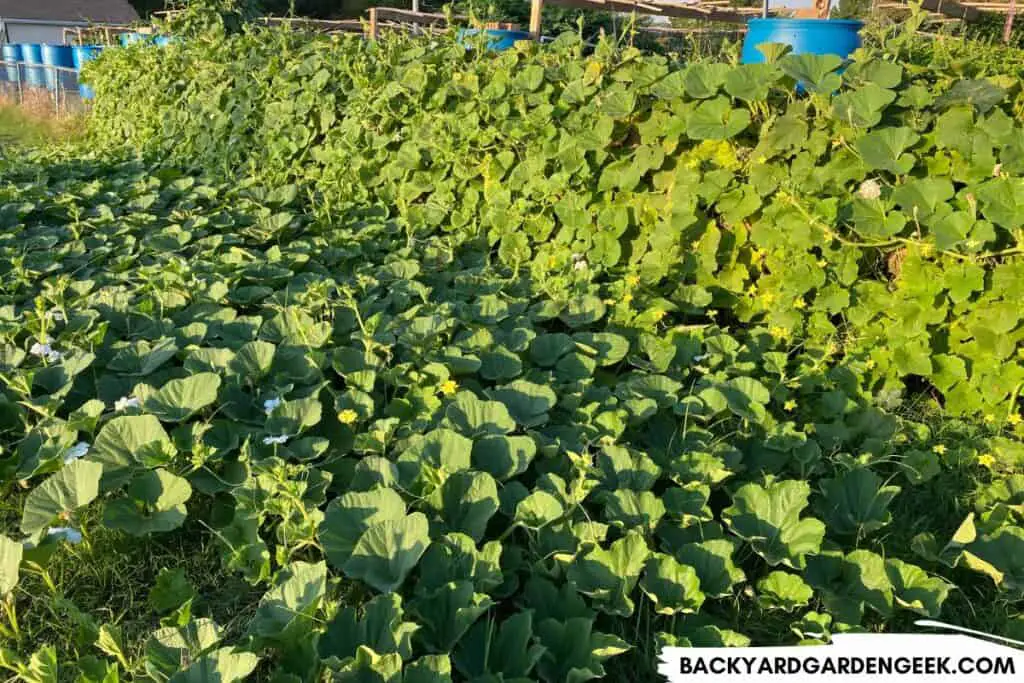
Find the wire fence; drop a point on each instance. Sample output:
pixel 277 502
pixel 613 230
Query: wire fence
pixel 53 90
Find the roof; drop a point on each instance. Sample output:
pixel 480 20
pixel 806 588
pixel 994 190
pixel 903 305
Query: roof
pixel 106 11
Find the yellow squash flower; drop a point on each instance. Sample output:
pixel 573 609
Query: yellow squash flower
pixel 987 460
pixel 449 387
pixel 347 416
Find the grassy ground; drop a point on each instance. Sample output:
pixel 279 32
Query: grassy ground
pixel 27 128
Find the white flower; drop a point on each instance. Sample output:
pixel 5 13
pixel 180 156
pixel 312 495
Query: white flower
pixel 580 265
pixel 271 404
pixel 869 189
pixel 126 402
pixel 701 357
pixel 75 452
pixel 268 440
pixel 44 350
pixel 56 315
pixel 66 533
pixel 996 170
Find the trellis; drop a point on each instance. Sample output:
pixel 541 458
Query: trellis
pixel 716 11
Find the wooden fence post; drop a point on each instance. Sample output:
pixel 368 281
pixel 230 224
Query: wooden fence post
pixel 1008 27
pixel 536 6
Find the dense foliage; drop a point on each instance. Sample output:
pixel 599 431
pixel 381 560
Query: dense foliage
pixel 497 367
pixel 883 219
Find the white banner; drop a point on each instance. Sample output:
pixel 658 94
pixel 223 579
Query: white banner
pixel 854 658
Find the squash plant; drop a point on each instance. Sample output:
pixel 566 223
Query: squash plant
pixel 470 363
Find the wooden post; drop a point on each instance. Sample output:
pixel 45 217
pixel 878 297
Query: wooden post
pixel 535 11
pixel 764 9
pixel 373 23
pixel 1008 27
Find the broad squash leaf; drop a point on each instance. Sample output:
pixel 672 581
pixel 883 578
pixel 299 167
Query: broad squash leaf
pixel 672 587
pixel 768 517
pixel 781 590
pixel 74 486
pixel 855 502
pixel 388 550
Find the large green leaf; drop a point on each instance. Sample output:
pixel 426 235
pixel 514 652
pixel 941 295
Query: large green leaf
pixel 885 149
pixel 717 119
pixel 388 550
pixel 538 509
pixel 286 612
pixel 503 457
pixel 672 587
pixel 780 590
pixel 381 627
pixel 574 651
pixel 127 443
pixel 768 517
pixel 608 576
pixel 863 106
pixel 1000 556
pixel 505 650
pixel 180 399
pixel 628 509
pixel 73 487
pixel 465 502
pixel 441 449
pixel 528 403
pixel 352 513
pixel 848 583
pixel 816 73
pixel 225 665
pixel 914 589
pixel 474 417
pixel 169 648
pixel 447 613
pixel 154 502
pixel 1002 201
pixel 713 562
pixel 855 502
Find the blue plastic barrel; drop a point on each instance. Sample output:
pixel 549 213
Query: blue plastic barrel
pixel 162 41
pixel 132 38
pixel 499 39
pixel 32 55
pixel 806 36
pixel 58 56
pixel 12 55
pixel 81 54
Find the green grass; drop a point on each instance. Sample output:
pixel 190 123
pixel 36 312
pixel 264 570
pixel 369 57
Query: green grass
pixel 23 129
pixel 106 580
